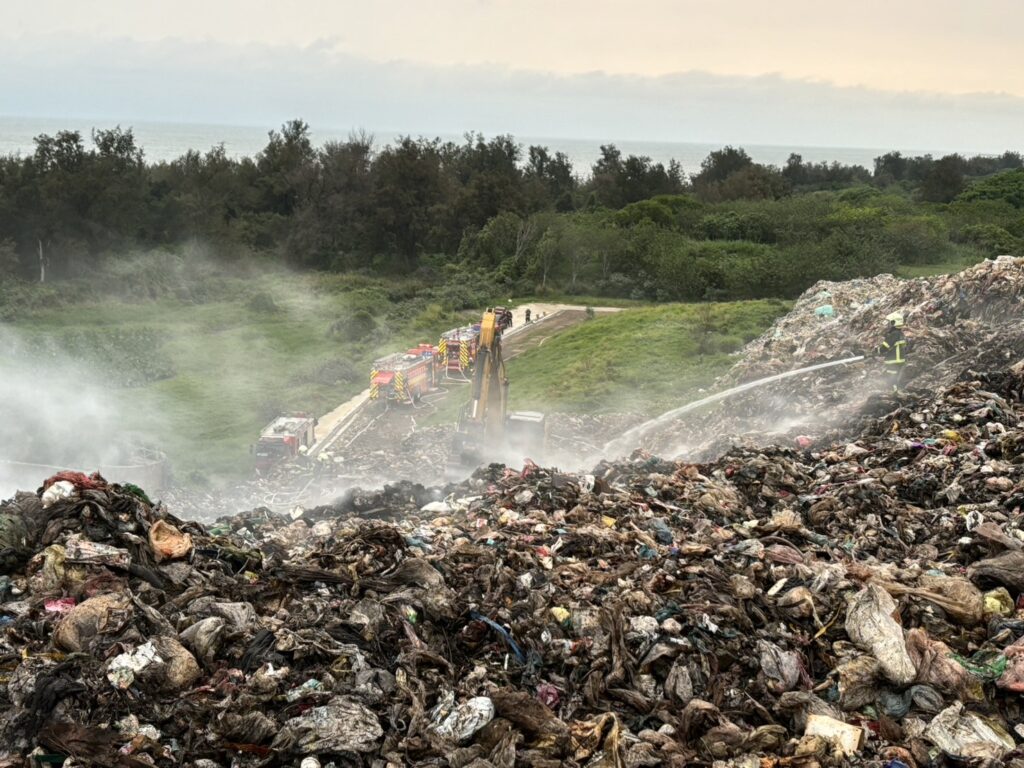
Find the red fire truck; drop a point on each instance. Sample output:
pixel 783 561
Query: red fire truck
pixel 283 439
pixel 456 351
pixel 403 377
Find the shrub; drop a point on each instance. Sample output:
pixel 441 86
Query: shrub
pixel 990 239
pixel 917 239
pixel 728 344
pixel 1008 186
pixel 336 372
pixel 354 325
pixel 262 303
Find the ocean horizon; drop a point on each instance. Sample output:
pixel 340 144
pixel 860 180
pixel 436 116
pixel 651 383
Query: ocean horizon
pixel 166 141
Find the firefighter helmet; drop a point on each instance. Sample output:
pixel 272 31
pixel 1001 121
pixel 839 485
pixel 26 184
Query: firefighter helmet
pixel 895 318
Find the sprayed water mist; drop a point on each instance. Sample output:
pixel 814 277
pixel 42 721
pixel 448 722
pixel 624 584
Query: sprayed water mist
pixel 632 437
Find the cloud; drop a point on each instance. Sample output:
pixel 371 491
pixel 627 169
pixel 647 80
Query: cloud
pixel 258 84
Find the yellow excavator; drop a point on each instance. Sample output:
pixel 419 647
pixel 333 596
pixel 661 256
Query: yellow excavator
pixel 487 431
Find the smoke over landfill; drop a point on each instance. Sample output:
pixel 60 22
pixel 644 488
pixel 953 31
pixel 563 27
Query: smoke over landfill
pixel 54 411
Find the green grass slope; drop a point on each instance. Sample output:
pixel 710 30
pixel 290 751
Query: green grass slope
pixel 642 359
pixel 201 380
pixel 639 359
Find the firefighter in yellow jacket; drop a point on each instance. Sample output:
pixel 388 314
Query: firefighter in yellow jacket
pixel 894 349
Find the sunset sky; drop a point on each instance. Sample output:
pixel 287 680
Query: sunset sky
pixel 910 63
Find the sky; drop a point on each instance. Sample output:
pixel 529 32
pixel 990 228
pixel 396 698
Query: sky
pixel 941 73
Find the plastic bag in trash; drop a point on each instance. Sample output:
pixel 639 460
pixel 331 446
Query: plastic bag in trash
pixel 167 542
pixel 81 550
pixel 436 508
pixel 783 669
pixel 848 738
pixel 341 725
pixel 96 616
pixel 204 638
pixel 965 734
pixel 62 489
pixel 123 668
pixel 163 663
pixel 872 628
pixel 466 719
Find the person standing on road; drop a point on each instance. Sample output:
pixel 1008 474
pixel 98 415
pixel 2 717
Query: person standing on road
pixel 894 349
pixel 527 314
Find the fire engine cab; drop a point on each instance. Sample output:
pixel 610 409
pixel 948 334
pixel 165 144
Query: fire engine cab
pixel 403 377
pixel 284 438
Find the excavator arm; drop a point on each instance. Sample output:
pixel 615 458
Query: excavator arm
pixel 485 424
pixel 489 403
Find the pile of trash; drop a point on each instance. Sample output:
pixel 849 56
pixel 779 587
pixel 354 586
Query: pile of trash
pixel 789 606
pixel 944 316
pixel 974 318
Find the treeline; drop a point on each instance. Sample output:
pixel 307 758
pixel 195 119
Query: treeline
pixel 346 205
pixel 490 210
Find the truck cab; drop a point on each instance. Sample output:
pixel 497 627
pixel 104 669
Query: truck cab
pixel 284 439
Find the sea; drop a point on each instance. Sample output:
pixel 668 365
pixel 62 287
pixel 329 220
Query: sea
pixel 165 141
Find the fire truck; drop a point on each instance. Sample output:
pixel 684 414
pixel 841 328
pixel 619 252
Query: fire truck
pixel 404 377
pixel 456 351
pixel 283 439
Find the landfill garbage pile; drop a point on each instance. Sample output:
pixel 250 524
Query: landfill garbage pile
pixel 944 316
pixel 974 318
pixel 856 603
pixel 373 460
pixel 424 454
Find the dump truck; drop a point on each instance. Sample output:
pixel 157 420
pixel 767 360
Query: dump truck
pixel 486 430
pixel 456 350
pixel 284 438
pixel 404 377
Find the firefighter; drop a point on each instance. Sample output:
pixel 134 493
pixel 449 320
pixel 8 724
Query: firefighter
pixel 527 314
pixel 894 349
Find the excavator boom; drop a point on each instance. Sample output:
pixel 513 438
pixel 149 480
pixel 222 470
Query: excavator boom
pixel 486 430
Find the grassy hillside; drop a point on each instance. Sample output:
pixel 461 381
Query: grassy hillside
pixel 642 359
pixel 638 359
pixel 201 379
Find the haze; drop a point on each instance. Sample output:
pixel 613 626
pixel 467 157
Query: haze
pixel 939 74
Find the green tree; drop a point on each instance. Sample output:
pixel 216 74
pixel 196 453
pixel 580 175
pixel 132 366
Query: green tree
pixel 284 166
pixel 944 181
pixel 331 222
pixel 890 168
pixel 720 165
pixel 617 182
pixel 1008 187
pixel 550 181
pixel 407 200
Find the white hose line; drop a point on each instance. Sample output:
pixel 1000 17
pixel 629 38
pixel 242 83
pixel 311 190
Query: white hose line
pixel 630 438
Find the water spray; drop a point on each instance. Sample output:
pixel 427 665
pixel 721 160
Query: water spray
pixel 630 438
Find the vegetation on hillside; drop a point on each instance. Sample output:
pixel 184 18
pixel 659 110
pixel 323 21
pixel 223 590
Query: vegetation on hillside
pixel 201 379
pixel 491 214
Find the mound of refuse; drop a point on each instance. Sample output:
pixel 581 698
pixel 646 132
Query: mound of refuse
pixel 973 318
pixel 860 602
pixel 943 317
